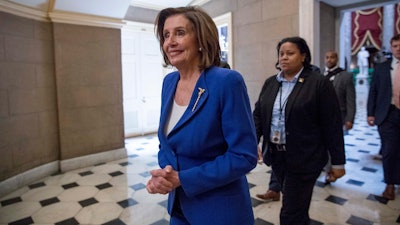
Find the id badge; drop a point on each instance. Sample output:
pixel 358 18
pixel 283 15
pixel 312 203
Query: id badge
pixel 276 137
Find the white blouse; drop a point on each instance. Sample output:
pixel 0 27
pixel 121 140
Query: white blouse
pixel 176 113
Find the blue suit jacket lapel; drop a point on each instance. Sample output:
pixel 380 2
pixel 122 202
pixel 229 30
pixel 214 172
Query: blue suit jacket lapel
pixel 193 107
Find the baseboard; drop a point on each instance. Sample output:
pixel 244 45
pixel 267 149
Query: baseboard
pixel 27 177
pixel 93 159
pixel 37 173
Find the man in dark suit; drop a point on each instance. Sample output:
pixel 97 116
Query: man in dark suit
pixel 343 83
pixel 383 112
pixel 344 86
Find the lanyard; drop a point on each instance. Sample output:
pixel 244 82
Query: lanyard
pixel 281 106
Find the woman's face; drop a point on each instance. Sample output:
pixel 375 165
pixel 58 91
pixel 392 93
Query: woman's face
pixel 180 43
pixel 290 58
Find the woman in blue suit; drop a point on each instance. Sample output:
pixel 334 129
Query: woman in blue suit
pixel 206 133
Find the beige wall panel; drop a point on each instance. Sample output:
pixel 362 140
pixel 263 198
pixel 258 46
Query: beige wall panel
pixel 242 3
pixel 28 115
pixel 42 31
pixel 25 152
pixel 47 120
pixel 89 81
pixel 11 25
pixel 91 96
pixel 7 168
pixel 91 141
pixel 3 103
pixel 18 128
pixel 17 75
pixel 36 100
pixel 45 76
pixel 28 50
pixel 87 118
pixel 218 7
pixel 280 8
pixel 242 16
pixel 15 46
pixel 2 50
pixel 263 32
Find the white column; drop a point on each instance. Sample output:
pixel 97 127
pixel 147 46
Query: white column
pixel 345 41
pixel 388 25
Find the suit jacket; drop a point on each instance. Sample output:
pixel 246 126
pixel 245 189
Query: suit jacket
pixel 343 82
pixel 380 92
pixel 313 124
pixel 213 146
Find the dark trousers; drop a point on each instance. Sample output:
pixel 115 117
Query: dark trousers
pixel 297 189
pixel 273 183
pixel 389 132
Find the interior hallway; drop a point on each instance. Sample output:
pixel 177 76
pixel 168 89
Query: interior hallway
pixel 114 193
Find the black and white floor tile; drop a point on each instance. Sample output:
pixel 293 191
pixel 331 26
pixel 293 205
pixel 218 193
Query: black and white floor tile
pixel 114 193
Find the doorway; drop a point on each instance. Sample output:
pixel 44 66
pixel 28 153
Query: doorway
pixel 142 75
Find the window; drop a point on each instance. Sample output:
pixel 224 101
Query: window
pixel 224 25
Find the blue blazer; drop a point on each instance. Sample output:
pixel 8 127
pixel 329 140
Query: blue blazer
pixel 213 146
pixel 380 92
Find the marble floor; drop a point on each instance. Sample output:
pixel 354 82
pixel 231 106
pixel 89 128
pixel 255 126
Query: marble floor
pixel 114 193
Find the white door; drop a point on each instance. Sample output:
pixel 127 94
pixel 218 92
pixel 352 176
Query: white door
pixel 142 74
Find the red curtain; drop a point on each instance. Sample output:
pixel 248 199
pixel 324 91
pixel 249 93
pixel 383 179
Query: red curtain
pixel 366 29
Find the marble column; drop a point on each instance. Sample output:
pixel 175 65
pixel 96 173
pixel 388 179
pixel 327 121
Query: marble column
pixel 345 41
pixel 388 25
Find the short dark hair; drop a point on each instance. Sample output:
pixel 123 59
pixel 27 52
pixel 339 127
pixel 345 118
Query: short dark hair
pixel 395 38
pixel 204 27
pixel 301 45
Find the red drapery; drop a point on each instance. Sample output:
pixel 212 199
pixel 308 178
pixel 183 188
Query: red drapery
pixel 366 29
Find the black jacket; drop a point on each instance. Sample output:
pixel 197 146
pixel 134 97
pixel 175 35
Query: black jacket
pixel 313 123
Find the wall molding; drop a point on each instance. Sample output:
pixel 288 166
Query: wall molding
pixel 158 8
pixel 23 11
pixel 60 17
pixel 88 20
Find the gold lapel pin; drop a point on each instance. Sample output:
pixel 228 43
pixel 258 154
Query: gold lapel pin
pixel 201 91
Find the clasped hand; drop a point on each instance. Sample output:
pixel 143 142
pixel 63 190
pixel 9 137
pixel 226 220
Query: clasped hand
pixel 163 181
pixel 334 174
